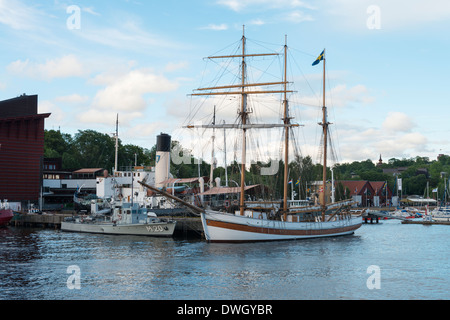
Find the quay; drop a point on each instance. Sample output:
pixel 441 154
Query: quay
pixel 186 226
pixel 39 220
pixel 426 223
pixel 376 214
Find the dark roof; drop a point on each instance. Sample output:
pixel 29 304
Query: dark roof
pixel 355 186
pixel 89 170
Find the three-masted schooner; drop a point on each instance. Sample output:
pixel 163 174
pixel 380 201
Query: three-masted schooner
pixel 247 225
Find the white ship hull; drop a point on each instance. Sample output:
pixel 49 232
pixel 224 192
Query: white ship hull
pixel 442 218
pixel 222 227
pixel 163 229
pixel 441 214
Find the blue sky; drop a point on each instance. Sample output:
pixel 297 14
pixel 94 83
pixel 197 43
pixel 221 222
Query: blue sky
pixel 387 73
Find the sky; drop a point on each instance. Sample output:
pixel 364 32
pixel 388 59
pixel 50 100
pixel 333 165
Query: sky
pixel 387 69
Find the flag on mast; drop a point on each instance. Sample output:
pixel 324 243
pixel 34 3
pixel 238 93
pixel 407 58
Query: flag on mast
pixel 320 58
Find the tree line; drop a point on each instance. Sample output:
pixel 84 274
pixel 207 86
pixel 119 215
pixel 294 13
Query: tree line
pixel 92 149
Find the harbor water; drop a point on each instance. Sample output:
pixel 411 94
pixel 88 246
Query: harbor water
pixel 388 260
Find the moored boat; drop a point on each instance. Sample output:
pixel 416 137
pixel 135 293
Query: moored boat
pixel 6 214
pixel 246 225
pixel 441 214
pixel 225 227
pixel 127 219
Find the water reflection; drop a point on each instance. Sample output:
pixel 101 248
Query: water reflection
pixel 413 263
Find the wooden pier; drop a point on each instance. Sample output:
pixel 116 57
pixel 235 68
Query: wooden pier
pixel 426 223
pixel 39 220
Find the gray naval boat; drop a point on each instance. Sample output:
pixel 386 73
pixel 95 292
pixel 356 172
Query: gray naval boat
pixel 126 219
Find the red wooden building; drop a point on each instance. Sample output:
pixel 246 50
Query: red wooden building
pixel 366 191
pixel 21 149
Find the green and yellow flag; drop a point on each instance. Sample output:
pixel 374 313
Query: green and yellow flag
pixel 320 58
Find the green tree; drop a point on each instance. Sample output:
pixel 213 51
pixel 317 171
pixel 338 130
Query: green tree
pixel 56 143
pixel 92 149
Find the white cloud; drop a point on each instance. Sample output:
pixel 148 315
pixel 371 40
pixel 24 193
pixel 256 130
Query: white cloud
pixel 239 5
pixel 145 131
pixel 58 115
pixel 73 98
pixel 393 14
pixel 282 10
pixel 91 10
pixel 64 67
pixel 107 117
pixel 175 66
pixel 397 137
pixel 298 16
pixel 128 34
pixel 126 92
pixel 402 144
pixel 18 16
pixel 216 27
pixel 398 121
pixel 257 22
pixel 340 96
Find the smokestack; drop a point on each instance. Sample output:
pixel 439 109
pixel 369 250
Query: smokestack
pixel 162 159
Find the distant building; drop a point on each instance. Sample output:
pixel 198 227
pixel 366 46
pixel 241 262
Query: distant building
pixel 60 185
pixel 395 171
pixel 367 193
pixel 382 191
pixel 21 149
pixel 380 162
pixel 360 191
pixel 398 171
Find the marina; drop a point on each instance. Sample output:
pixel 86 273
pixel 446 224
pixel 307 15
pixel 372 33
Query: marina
pixel 411 266
pixel 243 151
pixel 189 226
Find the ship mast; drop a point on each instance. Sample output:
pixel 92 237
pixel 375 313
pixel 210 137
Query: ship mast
pixel 244 116
pixel 116 136
pixel 243 113
pixel 324 125
pixel 287 121
pixel 211 173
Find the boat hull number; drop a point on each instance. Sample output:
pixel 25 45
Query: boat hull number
pixel 155 229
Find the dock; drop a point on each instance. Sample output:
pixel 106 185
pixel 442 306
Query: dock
pixel 426 223
pixel 187 227
pixel 374 216
pixel 370 214
pixel 39 220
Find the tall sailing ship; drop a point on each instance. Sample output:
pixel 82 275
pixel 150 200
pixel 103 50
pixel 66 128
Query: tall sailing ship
pixel 248 225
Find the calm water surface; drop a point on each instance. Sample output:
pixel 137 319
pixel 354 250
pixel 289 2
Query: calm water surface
pixel 413 261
